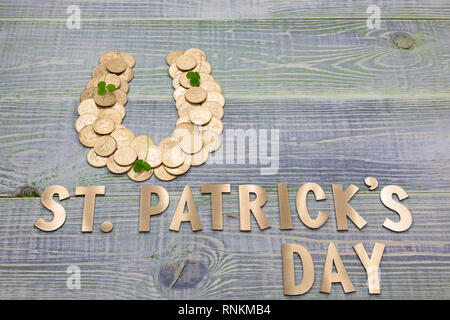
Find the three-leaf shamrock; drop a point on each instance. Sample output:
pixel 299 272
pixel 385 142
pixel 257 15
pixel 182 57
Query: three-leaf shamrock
pixel 194 78
pixel 102 88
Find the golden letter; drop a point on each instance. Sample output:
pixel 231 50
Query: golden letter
pixel 285 210
pixel 59 214
pixel 371 265
pixel 329 277
pixel 405 216
pixel 343 209
pixel 288 251
pixel 245 206
pixel 179 216
pixel 89 204
pixel 302 209
pixel 216 191
pixel 147 210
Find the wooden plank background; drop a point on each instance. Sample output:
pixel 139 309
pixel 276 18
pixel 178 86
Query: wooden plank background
pixel 347 102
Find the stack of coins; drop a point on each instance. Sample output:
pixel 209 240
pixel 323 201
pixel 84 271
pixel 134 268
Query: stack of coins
pixel 200 110
pixel 197 130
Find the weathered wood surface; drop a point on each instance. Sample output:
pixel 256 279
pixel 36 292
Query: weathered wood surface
pixel 55 10
pixel 346 101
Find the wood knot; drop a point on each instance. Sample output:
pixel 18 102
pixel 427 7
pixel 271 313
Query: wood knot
pixel 182 273
pixel 403 41
pixel 26 192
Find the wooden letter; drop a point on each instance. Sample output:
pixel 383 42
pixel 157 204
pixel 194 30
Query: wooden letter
pixel 59 214
pixel 329 277
pixel 405 216
pixel 179 216
pixel 216 191
pixel 89 204
pixel 147 210
pixel 246 206
pixel 343 209
pixel 302 209
pixel 290 288
pixel 285 210
pixel 371 265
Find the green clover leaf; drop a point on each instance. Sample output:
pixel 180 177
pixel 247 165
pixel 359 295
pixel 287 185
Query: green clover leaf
pixel 111 87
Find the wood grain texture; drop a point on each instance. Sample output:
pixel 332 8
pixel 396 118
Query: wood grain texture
pixel 128 264
pixel 222 9
pixel 347 104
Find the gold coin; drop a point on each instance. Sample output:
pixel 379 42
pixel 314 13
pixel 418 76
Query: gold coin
pixel 139 176
pixel 88 106
pixel 105 146
pixel 119 108
pixel 95 160
pixel 200 115
pixel 215 108
pixel 84 120
pixel 200 157
pixel 125 156
pixel 185 108
pixel 162 174
pixel 176 82
pixel 174 71
pixel 214 125
pixel 114 167
pixel 146 150
pixel 179 101
pixel 205 77
pixel 216 97
pixel 104 125
pixel 211 140
pixel 112 114
pixel 123 137
pixel 186 62
pixel 129 59
pixel 89 93
pixel 173 157
pixel 181 169
pixel 120 97
pixel 127 75
pixel 203 67
pixel 154 156
pixel 183 119
pixel 124 86
pixel 191 143
pixel 106 226
pixel 99 71
pixel 184 81
pixel 108 55
pixel 183 129
pixel 178 93
pixel 115 65
pixel 168 142
pixel 88 136
pixel 195 95
pixel 172 56
pixel 197 53
pixel 106 100
pixel 211 86
pixel 141 141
